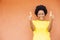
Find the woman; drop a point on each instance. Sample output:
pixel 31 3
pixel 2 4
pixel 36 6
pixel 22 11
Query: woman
pixel 41 27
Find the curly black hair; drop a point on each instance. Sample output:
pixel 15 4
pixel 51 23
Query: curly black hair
pixel 40 7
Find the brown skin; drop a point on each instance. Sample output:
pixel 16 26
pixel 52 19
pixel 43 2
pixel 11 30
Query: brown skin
pixel 40 16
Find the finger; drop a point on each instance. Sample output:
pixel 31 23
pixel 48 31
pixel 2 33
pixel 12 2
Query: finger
pixel 51 13
pixel 30 13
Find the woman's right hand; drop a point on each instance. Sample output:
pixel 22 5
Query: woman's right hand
pixel 30 16
pixel 30 19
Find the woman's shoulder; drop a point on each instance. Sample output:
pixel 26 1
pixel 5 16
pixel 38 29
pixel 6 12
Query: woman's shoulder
pixel 39 20
pixel 34 20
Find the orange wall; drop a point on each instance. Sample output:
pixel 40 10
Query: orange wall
pixel 14 23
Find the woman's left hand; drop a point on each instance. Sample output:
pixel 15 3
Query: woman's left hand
pixel 51 15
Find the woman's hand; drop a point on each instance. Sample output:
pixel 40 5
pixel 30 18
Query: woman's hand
pixel 30 19
pixel 30 15
pixel 51 16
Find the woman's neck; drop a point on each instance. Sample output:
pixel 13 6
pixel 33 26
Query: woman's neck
pixel 42 19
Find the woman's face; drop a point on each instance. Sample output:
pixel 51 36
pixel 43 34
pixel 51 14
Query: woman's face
pixel 41 14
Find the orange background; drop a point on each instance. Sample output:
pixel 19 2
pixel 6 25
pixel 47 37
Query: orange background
pixel 14 23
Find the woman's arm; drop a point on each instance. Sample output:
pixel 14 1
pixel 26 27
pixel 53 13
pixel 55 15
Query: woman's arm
pixel 32 26
pixel 51 21
pixel 50 26
pixel 30 21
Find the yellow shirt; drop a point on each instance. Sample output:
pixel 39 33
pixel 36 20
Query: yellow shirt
pixel 41 30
